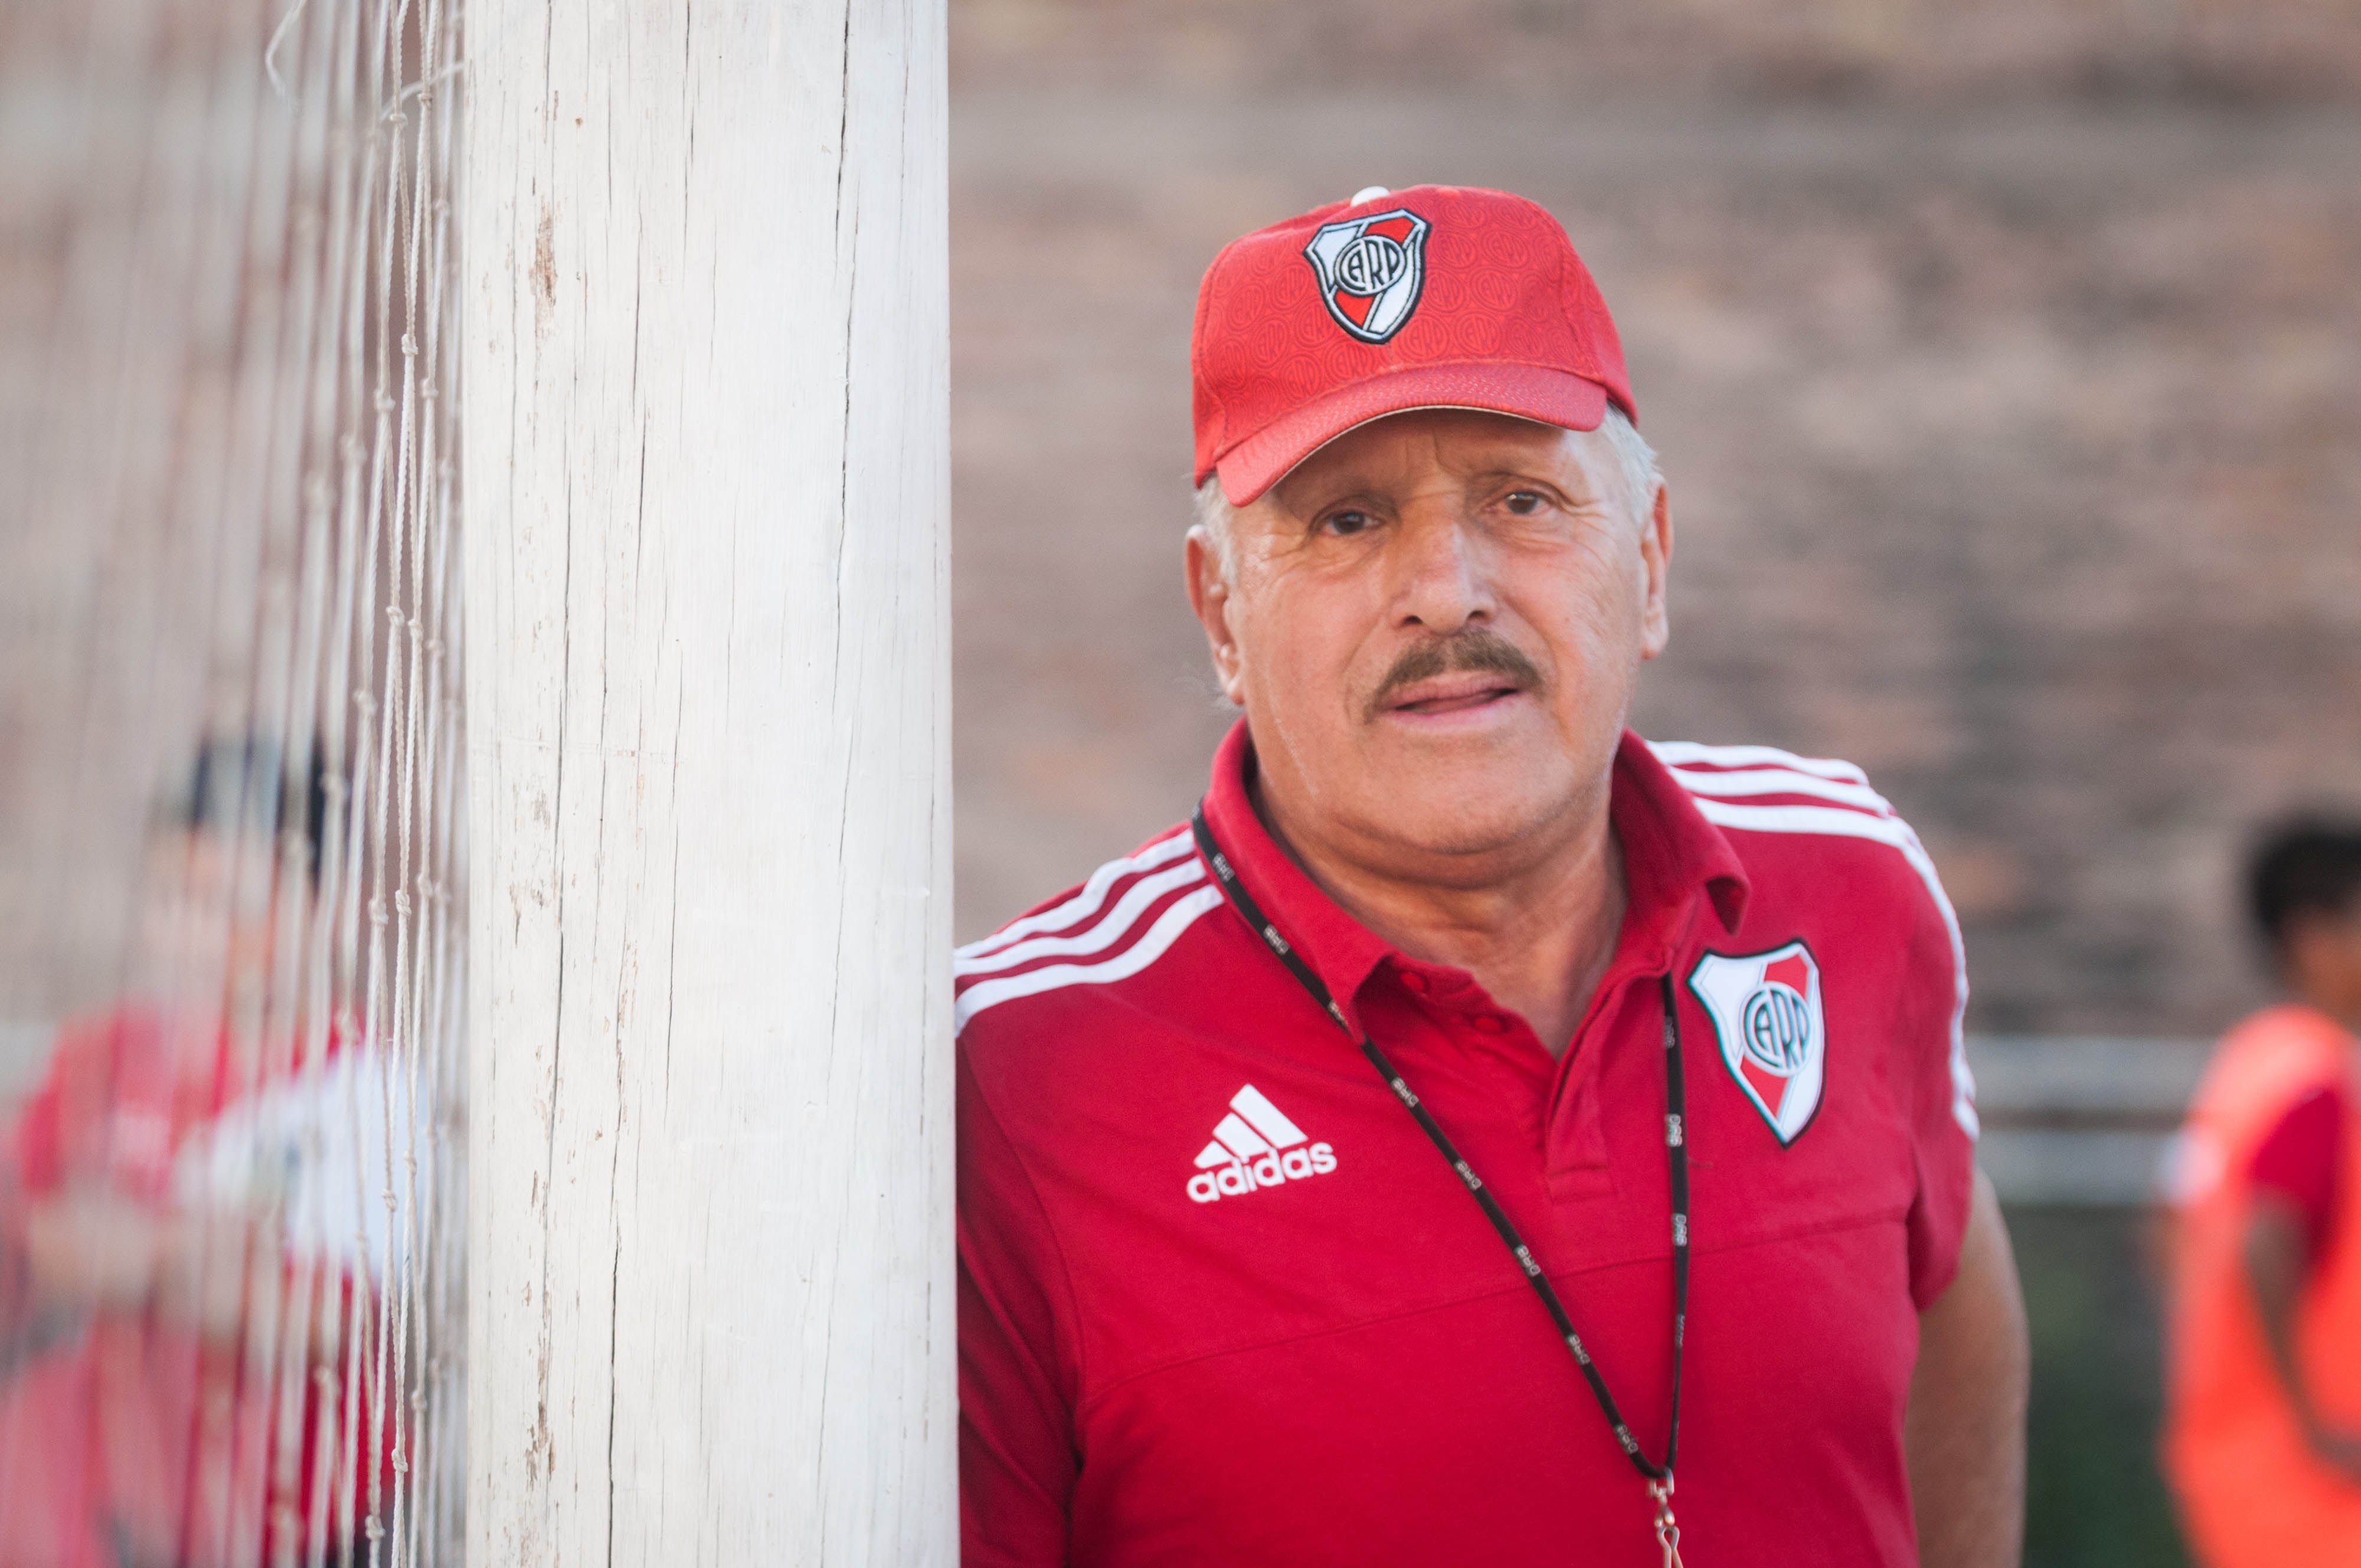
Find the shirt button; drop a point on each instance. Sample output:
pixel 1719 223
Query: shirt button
pixel 1490 1023
pixel 1413 982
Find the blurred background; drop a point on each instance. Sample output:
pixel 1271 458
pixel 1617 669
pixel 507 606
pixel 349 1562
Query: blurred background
pixel 2005 362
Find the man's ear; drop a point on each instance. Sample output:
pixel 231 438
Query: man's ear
pixel 1656 557
pixel 1209 595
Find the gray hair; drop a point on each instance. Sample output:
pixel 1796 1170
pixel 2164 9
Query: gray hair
pixel 1633 457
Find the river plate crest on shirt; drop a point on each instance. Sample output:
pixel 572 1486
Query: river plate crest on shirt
pixel 1767 1016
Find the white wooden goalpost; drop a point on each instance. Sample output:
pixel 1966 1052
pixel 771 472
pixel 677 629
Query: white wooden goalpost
pixel 706 490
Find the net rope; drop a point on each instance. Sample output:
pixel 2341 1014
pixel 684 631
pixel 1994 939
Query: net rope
pixel 226 378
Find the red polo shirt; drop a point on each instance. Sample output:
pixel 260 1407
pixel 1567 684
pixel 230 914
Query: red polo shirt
pixel 1221 1301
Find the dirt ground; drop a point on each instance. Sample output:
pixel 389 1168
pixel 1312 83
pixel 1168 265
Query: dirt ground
pixel 2003 360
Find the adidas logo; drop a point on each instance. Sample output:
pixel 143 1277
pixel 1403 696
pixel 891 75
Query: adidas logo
pixel 1255 1146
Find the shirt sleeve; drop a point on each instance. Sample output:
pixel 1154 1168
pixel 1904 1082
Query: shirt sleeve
pixel 36 1143
pixel 32 1164
pixel 1018 1369
pixel 15 1267
pixel 1936 1095
pixel 2299 1162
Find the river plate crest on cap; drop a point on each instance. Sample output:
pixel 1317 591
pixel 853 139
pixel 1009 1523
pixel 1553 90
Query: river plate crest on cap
pixel 1370 271
pixel 1767 1016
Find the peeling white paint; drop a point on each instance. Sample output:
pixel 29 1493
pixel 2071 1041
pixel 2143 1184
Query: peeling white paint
pixel 706 479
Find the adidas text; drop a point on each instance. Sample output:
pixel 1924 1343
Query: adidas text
pixel 1255 1146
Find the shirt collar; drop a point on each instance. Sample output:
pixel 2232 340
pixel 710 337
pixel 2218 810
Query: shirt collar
pixel 1671 854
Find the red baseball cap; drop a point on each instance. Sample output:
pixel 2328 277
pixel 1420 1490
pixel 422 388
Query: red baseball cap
pixel 1441 296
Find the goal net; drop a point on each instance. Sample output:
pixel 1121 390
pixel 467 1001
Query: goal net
pixel 233 910
pixel 617 1220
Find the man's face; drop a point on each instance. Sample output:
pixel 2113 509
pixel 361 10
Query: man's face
pixel 216 908
pixel 2321 954
pixel 1434 625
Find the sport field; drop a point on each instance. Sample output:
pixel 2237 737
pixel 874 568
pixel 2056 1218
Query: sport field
pixel 2094 1499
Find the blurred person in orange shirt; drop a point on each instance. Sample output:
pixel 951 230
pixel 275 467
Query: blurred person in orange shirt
pixel 185 1247
pixel 2262 1422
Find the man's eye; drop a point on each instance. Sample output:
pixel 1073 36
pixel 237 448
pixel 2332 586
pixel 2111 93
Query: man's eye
pixel 1346 523
pixel 1523 503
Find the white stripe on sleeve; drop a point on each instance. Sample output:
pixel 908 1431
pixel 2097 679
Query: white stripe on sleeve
pixel 1679 754
pixel 1838 822
pixel 1178 917
pixel 1099 937
pixel 1087 899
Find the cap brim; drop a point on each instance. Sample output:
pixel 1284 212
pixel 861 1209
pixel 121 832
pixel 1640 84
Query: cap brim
pixel 1523 391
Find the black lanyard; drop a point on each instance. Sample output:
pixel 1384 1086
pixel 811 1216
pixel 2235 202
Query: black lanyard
pixel 1658 1476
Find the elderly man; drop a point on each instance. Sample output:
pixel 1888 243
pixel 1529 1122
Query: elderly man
pixel 1479 1137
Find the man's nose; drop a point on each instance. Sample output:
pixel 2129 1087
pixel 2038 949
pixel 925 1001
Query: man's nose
pixel 1442 580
